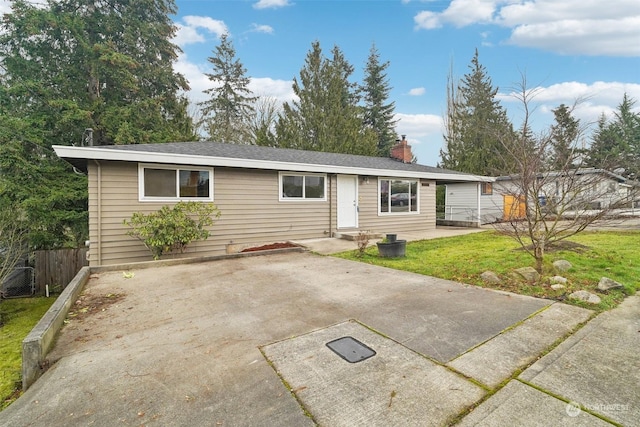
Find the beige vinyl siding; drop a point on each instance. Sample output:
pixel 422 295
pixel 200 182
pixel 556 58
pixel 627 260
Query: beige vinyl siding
pixel 251 213
pixel 370 219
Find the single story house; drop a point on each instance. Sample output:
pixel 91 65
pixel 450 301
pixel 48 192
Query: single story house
pixel 264 194
pixel 565 192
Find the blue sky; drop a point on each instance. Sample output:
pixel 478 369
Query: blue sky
pixel 568 49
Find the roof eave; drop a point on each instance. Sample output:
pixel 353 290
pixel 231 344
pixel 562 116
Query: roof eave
pixel 97 153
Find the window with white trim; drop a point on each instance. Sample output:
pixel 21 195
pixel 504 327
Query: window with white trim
pixel 398 196
pixel 294 186
pixel 174 183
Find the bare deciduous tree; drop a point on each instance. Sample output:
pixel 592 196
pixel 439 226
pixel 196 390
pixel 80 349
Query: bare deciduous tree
pixel 543 208
pixel 262 123
pixel 13 243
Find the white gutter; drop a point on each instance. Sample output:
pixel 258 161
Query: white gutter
pixel 96 153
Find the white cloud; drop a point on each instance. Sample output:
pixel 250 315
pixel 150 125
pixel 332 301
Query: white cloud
pixel 188 31
pixel 417 91
pixel 617 37
pixel 194 74
pixel 424 133
pixel 271 4
pixel 417 126
pixel 588 27
pixel 427 20
pixel 593 100
pixel 280 90
pixel 5 7
pixel 257 28
pixel 459 13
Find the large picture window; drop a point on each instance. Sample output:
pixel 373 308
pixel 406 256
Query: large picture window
pixel 166 183
pixel 398 196
pixel 302 187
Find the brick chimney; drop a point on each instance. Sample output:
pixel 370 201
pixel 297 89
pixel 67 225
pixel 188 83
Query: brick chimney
pixel 402 151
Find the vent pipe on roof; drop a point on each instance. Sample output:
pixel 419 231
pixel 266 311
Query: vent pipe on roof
pixel 88 137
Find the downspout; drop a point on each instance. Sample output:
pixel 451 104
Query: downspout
pixel 330 206
pixel 479 191
pixel 99 216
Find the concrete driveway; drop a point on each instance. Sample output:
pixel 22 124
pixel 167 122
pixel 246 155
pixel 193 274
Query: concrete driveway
pixel 243 342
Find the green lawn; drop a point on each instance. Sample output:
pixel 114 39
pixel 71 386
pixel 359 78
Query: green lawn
pixel 20 316
pixel 612 254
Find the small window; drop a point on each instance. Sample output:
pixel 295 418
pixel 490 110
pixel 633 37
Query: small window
pixel 302 187
pixel 487 188
pixel 398 196
pixel 166 183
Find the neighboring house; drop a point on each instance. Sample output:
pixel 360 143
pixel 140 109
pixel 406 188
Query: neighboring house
pixel 576 190
pixel 264 194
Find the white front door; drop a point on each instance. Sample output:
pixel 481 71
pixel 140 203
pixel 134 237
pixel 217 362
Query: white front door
pixel 347 201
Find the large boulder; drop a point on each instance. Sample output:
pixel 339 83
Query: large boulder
pixel 490 277
pixel 528 273
pixel 586 297
pixel 605 284
pixel 562 265
pixel 558 279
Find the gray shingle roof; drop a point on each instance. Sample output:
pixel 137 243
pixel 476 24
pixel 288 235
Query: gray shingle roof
pixel 253 152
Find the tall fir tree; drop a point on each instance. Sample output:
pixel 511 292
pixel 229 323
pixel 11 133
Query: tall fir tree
pixel 565 132
pixel 70 65
pixel 616 143
pixel 228 113
pixel 477 126
pixel 326 116
pixel 379 113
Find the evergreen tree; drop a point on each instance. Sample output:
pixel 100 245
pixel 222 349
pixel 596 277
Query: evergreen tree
pixel 70 65
pixel 378 111
pixel 477 127
pixel 564 136
pixel 326 116
pixel 616 144
pixel 228 113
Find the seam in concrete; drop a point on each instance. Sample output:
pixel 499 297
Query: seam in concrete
pixel 306 333
pixel 514 376
pixel 564 399
pixel 42 337
pixel 304 409
pixel 579 331
pixel 532 315
pixel 434 361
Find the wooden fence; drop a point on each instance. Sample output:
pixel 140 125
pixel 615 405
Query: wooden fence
pixel 57 268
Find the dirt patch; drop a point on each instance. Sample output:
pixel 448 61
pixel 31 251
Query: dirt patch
pixel 88 304
pixel 280 245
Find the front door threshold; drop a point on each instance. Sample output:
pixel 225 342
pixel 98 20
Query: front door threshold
pixel 352 235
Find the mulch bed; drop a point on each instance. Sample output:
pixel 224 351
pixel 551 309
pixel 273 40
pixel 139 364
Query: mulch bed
pixel 281 245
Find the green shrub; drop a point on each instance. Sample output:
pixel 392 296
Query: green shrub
pixel 172 228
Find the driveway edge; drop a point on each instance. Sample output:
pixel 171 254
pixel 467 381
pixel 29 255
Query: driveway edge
pixel 41 338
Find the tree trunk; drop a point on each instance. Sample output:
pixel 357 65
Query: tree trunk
pixel 539 255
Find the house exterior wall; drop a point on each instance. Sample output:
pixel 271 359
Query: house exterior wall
pixel 370 219
pixel 599 190
pixel 461 203
pixel 251 212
